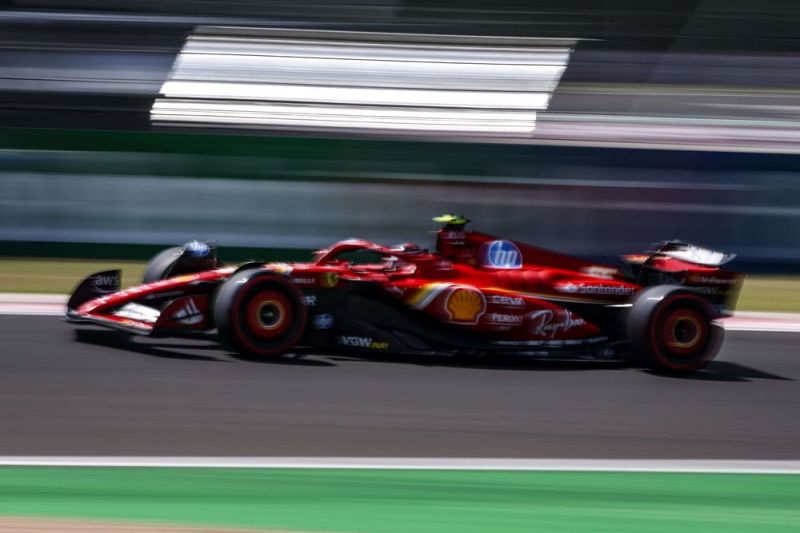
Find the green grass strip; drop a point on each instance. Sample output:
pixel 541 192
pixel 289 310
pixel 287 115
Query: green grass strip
pixel 60 276
pixel 405 501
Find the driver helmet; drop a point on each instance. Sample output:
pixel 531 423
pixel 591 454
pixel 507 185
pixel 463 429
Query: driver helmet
pixel 451 240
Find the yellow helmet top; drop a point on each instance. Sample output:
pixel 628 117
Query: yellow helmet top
pixel 452 220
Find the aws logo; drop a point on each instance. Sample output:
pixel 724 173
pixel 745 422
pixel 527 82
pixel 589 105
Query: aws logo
pixel 465 305
pixel 104 283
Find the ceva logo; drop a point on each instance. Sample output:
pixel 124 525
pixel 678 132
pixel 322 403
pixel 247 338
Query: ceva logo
pixel 501 254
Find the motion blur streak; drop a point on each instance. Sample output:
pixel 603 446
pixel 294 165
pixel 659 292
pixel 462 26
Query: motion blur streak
pixel 360 80
pixel 757 219
pixel 243 115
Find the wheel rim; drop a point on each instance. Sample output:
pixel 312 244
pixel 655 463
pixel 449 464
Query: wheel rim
pixel 269 315
pixel 684 332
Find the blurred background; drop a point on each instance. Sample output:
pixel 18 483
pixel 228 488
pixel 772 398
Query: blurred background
pixel 591 127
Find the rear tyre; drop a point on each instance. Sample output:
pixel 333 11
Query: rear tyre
pixel 671 330
pixel 161 264
pixel 259 314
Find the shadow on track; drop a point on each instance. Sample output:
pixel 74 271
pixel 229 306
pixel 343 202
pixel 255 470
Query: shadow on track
pixel 716 371
pixel 286 360
pixel 178 350
pixel 173 349
pixel 722 371
pixel 113 339
pixel 725 371
pixel 488 362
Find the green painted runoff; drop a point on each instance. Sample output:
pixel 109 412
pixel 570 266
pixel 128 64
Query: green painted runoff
pixel 405 501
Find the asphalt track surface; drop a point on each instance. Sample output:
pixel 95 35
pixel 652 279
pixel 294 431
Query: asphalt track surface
pixel 106 394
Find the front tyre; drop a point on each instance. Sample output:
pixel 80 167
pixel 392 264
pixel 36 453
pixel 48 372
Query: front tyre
pixel 259 314
pixel 671 329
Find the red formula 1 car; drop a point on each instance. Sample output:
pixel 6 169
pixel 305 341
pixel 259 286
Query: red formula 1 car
pixel 477 294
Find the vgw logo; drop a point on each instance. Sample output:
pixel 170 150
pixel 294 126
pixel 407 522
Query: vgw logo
pixel 362 342
pixel 501 254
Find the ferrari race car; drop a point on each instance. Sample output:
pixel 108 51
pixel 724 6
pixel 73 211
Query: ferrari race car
pixel 477 294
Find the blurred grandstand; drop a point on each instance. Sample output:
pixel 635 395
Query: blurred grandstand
pixel 657 122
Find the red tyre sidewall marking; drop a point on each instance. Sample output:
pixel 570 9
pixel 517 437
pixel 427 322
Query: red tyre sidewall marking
pixel 656 334
pixel 668 330
pixel 253 314
pixel 243 338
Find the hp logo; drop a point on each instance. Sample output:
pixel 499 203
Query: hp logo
pixel 501 254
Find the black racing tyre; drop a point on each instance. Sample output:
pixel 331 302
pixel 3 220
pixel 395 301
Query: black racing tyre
pixel 259 314
pixel 671 329
pixel 161 264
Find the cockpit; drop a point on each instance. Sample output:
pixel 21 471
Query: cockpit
pixel 362 256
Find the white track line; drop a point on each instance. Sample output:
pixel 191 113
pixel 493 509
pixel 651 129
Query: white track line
pixel 429 463
pixel 12 303
pixel 752 321
pixel 22 304
pixel 31 310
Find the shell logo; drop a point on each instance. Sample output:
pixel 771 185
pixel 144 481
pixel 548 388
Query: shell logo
pixel 465 305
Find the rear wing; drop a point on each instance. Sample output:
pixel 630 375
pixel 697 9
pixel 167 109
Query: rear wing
pixel 695 267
